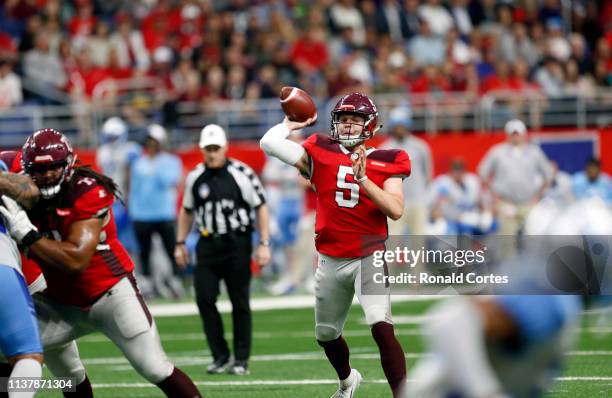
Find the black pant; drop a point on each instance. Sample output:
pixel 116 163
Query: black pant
pixel 227 258
pixel 144 232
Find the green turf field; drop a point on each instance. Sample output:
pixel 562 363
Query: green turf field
pixel 287 362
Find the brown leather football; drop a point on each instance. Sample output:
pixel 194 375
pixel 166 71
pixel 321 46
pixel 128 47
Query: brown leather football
pixel 297 104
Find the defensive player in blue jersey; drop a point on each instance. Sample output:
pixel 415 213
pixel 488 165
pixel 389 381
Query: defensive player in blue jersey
pixel 513 344
pixel 19 338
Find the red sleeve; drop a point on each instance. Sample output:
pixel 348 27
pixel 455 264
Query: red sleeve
pixel 309 144
pixel 401 165
pixel 12 159
pixel 94 203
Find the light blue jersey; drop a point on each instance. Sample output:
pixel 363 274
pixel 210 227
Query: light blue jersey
pixel 19 330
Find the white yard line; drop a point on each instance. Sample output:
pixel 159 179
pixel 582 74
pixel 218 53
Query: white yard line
pixel 256 335
pixel 263 304
pixel 202 357
pixel 297 382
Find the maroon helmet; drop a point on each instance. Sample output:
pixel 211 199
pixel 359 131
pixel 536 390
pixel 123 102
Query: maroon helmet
pixel 45 150
pixel 359 104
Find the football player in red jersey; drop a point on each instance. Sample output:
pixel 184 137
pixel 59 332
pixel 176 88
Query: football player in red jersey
pixel 357 189
pixel 63 360
pixel 90 282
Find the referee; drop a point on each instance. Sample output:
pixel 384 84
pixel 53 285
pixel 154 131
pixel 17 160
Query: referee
pixel 220 195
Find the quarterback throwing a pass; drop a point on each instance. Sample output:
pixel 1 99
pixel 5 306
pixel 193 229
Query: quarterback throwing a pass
pixel 357 189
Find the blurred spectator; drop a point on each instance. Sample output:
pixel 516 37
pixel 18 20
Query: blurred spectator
pixel 431 81
pixel 461 17
pixel 517 174
pixel 550 10
pixel 518 45
pixel 27 41
pixel 100 45
pixel 154 179
pixel 411 16
pixel 309 53
pixel 344 14
pixel 557 43
pixel 86 77
pixel 580 54
pixel 458 203
pixel 83 22
pixel 415 186
pixel 129 44
pixel 582 86
pixel 426 48
pixel 44 67
pixel 392 20
pixel 437 17
pixel 550 77
pixel 592 182
pixel 10 86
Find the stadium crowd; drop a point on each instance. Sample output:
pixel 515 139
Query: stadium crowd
pixel 237 49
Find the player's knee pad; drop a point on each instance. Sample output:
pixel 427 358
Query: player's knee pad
pixel 326 332
pixel 149 360
pixel 154 370
pixel 377 313
pixel 64 361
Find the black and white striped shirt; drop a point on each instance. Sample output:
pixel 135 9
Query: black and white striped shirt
pixel 223 199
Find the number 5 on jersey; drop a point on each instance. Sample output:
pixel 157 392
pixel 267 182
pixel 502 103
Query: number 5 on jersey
pixel 343 185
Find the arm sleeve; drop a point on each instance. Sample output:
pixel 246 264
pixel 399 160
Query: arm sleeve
pixel 486 166
pixel 94 203
pixel 402 166
pixel 544 165
pixel 275 143
pixel 10 160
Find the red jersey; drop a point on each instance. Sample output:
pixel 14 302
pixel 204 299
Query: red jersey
pixel 348 223
pixel 110 262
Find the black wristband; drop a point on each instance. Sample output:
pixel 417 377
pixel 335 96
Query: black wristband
pixel 180 242
pixel 31 237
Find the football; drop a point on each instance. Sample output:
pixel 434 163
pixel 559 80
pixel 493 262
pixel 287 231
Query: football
pixel 297 104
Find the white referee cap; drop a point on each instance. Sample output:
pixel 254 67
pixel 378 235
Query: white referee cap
pixel 212 134
pixel 515 126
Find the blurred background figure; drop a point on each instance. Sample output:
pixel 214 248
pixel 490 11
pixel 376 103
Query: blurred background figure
pixel 458 205
pixel 415 186
pixel 513 344
pixel 115 157
pixel 516 173
pixel 592 182
pixel 285 192
pixel 560 189
pixel 153 198
pixel 10 86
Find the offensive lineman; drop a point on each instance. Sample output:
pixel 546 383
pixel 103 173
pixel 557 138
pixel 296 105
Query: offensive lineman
pixel 89 274
pixel 357 189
